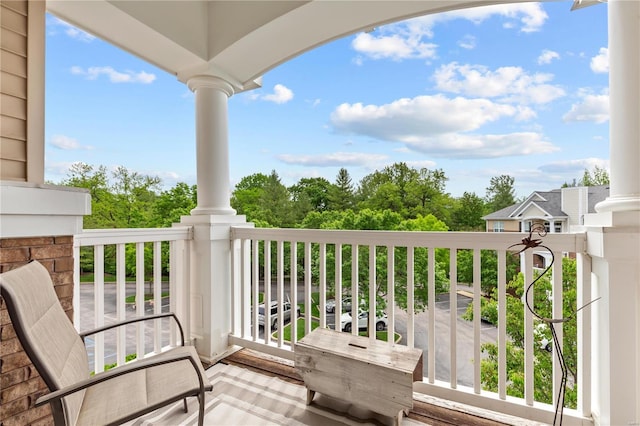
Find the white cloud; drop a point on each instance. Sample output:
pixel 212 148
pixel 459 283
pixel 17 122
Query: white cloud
pixel 440 126
pixel 467 42
pixel 56 171
pixel 547 56
pixel 419 164
pixel 575 167
pixel 529 17
pixel 395 47
pixel 92 73
pixel 600 62
pixel 510 84
pixel 591 108
pixel 406 39
pixel 405 118
pixel 280 95
pixel 333 159
pixel 67 144
pixel 53 24
pixel 456 145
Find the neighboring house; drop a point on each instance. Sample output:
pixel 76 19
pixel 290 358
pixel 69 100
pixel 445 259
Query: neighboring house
pixel 559 210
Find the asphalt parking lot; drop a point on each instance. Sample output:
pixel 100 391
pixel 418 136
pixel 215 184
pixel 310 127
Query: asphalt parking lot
pixel 464 330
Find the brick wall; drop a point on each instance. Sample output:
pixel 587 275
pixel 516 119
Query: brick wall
pixel 20 384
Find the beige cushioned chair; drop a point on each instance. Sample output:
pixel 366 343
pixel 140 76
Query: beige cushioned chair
pixel 58 353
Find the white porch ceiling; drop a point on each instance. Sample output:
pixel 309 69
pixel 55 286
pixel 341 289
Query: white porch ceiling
pixel 237 40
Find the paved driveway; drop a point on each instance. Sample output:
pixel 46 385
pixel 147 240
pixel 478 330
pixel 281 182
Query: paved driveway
pixel 464 343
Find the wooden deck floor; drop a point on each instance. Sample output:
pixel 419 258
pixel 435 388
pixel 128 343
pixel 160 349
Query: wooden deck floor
pixel 435 412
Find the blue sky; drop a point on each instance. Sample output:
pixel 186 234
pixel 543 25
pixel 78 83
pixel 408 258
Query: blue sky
pixel 519 90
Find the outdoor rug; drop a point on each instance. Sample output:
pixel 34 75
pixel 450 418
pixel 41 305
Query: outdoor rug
pixel 243 397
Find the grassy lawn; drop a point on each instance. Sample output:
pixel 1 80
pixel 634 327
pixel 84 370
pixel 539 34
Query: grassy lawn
pixel 286 330
pixel 315 311
pixel 89 277
pixel 147 297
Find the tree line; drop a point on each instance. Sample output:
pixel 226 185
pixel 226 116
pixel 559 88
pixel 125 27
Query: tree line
pixel 408 192
pixel 126 199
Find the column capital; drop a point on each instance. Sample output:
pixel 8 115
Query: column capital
pixel 210 82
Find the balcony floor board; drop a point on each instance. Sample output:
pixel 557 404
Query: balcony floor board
pixel 435 413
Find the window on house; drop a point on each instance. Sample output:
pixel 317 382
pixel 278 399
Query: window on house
pixel 547 226
pixel 527 226
pixel 558 227
pixel 498 226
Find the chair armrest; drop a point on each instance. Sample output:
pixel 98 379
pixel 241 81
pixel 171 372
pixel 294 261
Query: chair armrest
pixel 120 371
pixel 134 320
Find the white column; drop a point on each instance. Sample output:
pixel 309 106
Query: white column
pixel 613 235
pixel 212 144
pixel 624 99
pixel 210 269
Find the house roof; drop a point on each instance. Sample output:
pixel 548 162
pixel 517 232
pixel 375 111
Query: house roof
pixel 549 203
pixel 596 195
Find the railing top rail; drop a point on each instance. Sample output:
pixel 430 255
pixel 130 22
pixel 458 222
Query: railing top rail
pixel 574 242
pixel 90 237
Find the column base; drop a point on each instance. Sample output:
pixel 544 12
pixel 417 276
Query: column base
pixel 211 286
pixel 213 211
pixel 619 204
pixel 613 238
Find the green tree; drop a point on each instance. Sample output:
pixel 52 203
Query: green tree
pixel 500 193
pixel 599 176
pixel 134 195
pixel 421 267
pixel 388 189
pixel 368 219
pixel 488 269
pixel 406 190
pixel 96 180
pixel 310 194
pixel 467 213
pixel 341 194
pixel 276 207
pixel 174 203
pixel 127 200
pixel 426 194
pixel 246 196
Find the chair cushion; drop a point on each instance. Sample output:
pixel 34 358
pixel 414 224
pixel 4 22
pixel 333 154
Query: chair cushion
pixel 135 393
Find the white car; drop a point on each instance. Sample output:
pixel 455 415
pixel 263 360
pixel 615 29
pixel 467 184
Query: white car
pixel 286 317
pixel 331 305
pixel 363 321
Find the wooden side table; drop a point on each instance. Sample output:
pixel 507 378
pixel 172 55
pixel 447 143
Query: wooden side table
pixel 371 374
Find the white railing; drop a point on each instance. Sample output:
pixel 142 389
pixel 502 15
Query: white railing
pixel 103 302
pixel 436 331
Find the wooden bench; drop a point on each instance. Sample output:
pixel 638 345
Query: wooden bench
pixel 369 373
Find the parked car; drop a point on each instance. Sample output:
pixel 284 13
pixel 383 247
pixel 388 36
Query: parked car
pixel 363 320
pixel 286 313
pixel 331 305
